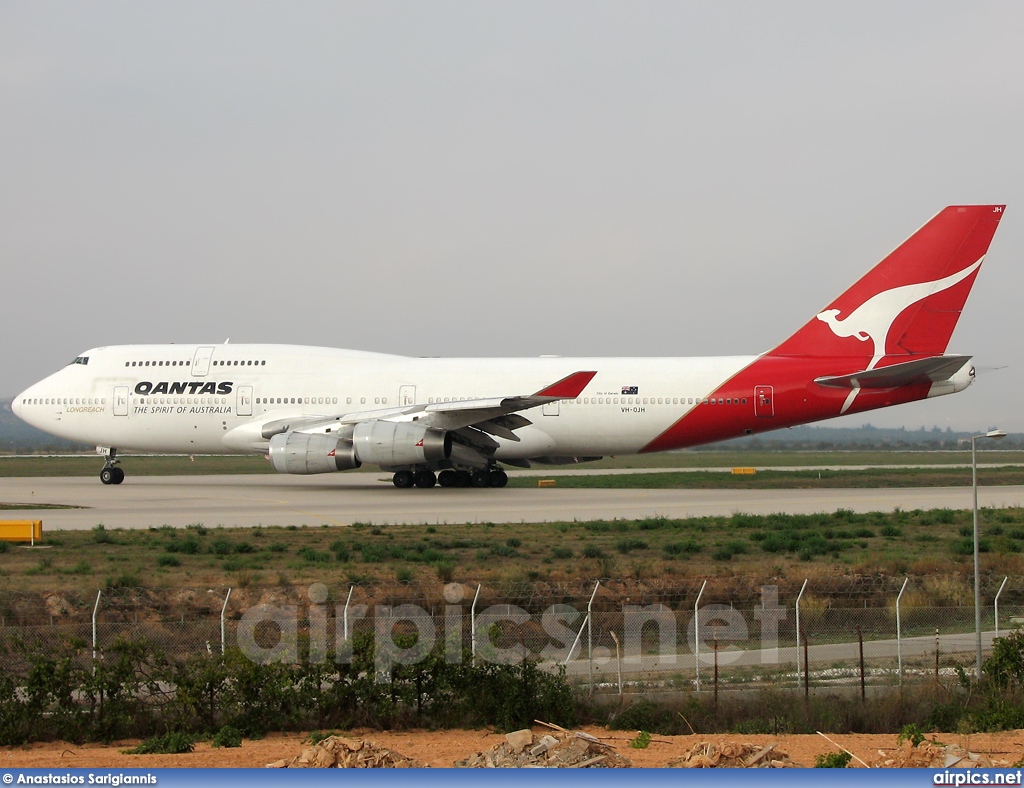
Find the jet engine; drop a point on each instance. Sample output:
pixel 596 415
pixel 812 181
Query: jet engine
pixel 386 443
pixel 298 452
pixel 398 444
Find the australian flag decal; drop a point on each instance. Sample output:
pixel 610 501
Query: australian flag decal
pixel 630 390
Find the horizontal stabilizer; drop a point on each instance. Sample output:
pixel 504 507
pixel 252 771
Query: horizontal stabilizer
pixel 923 370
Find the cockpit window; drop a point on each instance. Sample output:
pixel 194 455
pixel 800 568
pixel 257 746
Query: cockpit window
pixel 80 360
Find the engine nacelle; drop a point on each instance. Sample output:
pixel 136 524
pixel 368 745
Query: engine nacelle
pixel 957 382
pixel 396 444
pixel 297 452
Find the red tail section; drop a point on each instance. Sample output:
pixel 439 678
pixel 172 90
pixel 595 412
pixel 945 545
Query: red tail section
pixel 910 302
pixel 879 344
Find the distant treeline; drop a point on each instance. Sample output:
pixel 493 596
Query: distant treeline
pixel 866 437
pixel 17 437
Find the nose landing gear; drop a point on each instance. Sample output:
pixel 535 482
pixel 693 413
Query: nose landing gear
pixel 111 474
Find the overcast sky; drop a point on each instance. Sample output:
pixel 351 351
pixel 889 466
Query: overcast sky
pixel 499 178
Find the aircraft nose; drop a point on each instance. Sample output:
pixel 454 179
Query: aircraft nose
pixel 16 405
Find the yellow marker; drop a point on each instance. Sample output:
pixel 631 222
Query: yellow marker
pixel 744 471
pixel 21 531
pixel 545 482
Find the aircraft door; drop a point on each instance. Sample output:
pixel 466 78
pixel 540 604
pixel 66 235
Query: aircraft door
pixel 764 402
pixel 120 400
pixel 201 361
pixel 550 408
pixel 243 403
pixel 406 395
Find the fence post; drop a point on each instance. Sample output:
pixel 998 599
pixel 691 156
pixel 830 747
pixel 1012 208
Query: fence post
pixel 223 610
pixel 95 609
pixel 696 633
pixel 899 639
pixel 618 657
pixel 344 615
pixel 798 598
pixel 860 641
pixel 807 670
pixel 590 637
pixel 472 625
pixel 996 603
pixel 576 641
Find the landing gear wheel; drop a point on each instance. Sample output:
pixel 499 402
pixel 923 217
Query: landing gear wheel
pixel 425 479
pixel 107 475
pixel 462 479
pixel 481 479
pixel 118 475
pixel 446 479
pixel 498 478
pixel 403 480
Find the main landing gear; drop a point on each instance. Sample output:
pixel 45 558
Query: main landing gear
pixel 111 474
pixel 422 478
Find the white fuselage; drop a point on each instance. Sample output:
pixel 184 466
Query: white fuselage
pixel 215 398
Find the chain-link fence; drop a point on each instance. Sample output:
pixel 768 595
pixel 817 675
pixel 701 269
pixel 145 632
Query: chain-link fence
pixel 612 636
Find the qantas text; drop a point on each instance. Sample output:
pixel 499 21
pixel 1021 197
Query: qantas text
pixel 145 388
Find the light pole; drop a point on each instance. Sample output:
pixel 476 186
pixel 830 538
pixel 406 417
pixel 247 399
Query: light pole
pixel 994 435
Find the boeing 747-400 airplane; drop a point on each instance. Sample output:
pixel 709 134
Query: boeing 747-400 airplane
pixel 316 410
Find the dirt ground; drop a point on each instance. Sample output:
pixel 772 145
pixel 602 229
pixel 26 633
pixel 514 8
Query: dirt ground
pixel 441 748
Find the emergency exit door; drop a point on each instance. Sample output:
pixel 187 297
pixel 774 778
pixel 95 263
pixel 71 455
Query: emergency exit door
pixel 243 404
pixel 120 400
pixel 764 402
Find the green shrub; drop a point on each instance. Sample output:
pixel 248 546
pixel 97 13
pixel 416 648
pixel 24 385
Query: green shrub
pixel 314 556
pixel 100 535
pixel 168 560
pixel 445 571
pixel 641 741
pixel 220 546
pixel 340 549
pixel 629 545
pixel 910 733
pixel 832 760
pixel 675 549
pixel 227 737
pixel 171 743
pixel 189 545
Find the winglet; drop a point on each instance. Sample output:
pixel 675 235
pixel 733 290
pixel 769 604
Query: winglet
pixel 568 387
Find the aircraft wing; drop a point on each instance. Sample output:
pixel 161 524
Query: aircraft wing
pixel 922 370
pixel 498 415
pixel 494 415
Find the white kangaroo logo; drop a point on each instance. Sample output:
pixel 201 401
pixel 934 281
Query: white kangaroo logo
pixel 873 319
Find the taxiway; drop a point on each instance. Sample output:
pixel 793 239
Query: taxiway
pixel 343 499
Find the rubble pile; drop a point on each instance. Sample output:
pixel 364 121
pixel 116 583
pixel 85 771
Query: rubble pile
pixel 557 749
pixel 934 755
pixel 726 754
pixel 341 753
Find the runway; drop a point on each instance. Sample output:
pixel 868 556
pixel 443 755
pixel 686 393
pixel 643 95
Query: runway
pixel 343 499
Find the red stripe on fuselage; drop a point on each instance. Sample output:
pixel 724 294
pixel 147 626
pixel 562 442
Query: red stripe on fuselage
pixel 796 399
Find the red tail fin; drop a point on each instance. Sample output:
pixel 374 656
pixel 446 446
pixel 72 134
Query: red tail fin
pixel 910 302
